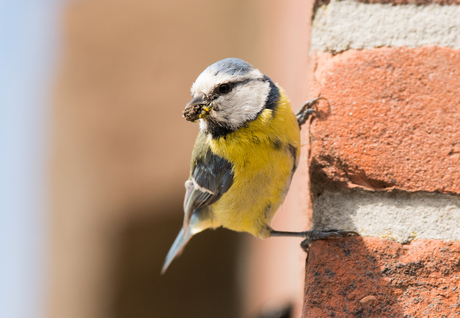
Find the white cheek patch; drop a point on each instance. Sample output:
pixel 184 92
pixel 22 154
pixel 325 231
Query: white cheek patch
pixel 242 104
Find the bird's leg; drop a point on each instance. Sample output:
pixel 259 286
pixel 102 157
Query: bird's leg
pixel 314 235
pixel 306 110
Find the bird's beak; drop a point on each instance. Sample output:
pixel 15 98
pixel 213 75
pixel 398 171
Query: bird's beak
pixel 197 108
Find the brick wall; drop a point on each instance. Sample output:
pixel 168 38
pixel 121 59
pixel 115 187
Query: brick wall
pixel 385 159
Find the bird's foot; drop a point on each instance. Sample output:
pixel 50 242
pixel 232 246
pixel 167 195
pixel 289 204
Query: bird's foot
pixel 314 235
pixel 306 110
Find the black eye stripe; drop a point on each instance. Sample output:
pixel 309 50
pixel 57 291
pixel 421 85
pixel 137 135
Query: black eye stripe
pixel 216 93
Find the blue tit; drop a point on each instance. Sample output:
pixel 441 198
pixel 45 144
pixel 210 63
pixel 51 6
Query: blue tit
pixel 245 155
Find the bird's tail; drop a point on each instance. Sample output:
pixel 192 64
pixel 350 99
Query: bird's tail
pixel 181 240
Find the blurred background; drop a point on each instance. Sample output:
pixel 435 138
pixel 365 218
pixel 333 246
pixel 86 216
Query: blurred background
pixel 94 154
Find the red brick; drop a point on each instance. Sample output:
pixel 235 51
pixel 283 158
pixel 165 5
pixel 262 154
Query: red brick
pixel 374 277
pixel 393 120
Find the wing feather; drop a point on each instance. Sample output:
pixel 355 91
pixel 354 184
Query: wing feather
pixel 211 176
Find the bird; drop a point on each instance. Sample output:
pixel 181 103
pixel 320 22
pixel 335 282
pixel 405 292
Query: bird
pixel 245 154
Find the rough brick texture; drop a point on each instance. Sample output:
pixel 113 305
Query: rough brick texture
pixel 385 159
pixel 393 121
pixel 374 277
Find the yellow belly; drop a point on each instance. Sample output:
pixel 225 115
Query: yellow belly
pixel 262 158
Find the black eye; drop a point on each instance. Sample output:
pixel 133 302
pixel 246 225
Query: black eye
pixel 224 88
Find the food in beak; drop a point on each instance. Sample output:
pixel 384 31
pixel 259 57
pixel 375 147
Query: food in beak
pixel 192 112
pixel 195 111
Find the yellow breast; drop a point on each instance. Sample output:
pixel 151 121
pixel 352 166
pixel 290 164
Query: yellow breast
pixel 263 155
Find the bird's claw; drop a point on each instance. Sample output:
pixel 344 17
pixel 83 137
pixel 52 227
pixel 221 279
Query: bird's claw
pixel 306 110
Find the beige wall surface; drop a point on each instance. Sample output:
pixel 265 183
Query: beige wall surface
pixel 121 154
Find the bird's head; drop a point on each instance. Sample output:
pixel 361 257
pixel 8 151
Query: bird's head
pixel 228 94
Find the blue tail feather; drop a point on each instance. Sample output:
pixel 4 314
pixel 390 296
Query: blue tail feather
pixel 181 240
